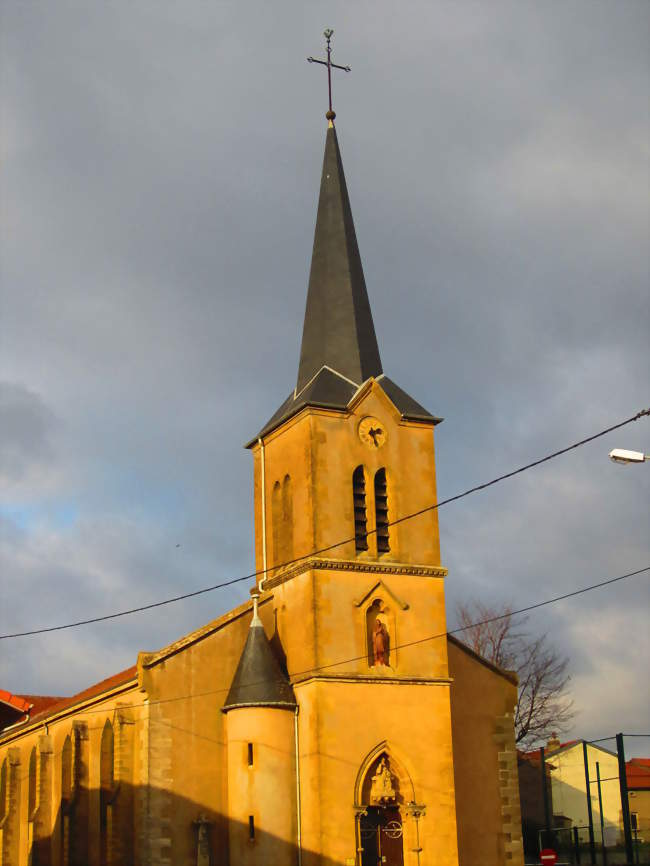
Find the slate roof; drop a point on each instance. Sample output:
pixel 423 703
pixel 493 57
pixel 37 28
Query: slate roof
pixel 339 350
pixel 259 680
pixel 338 329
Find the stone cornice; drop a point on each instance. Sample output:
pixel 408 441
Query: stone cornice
pixel 370 678
pixel 358 565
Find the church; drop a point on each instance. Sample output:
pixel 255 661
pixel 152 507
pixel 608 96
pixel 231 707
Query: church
pixel 330 720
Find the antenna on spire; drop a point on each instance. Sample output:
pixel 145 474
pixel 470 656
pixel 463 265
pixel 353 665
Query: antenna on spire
pixel 331 114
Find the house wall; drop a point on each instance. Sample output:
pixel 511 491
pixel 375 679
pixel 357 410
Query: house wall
pixel 640 804
pixel 570 789
pixel 485 761
pixel 40 836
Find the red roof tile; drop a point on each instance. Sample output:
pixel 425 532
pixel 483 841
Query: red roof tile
pixel 48 705
pixel 96 689
pixel 637 771
pixel 16 702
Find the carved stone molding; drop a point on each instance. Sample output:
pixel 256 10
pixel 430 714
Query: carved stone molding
pixel 358 565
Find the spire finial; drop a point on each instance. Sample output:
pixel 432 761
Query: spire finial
pixel 256 619
pixel 331 114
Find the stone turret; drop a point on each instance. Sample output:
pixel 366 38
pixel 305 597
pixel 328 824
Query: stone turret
pixel 261 752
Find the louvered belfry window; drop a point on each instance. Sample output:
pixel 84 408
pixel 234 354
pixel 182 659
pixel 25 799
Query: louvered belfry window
pixel 381 512
pixel 360 516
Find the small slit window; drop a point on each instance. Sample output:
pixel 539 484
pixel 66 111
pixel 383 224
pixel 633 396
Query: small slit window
pixel 360 515
pixel 381 512
pixel 251 827
pixel 250 754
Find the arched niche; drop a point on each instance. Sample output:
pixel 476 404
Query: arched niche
pixel 380 627
pixel 402 784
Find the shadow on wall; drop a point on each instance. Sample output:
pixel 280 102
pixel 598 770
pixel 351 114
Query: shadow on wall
pixel 145 826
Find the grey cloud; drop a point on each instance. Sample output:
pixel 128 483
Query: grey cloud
pixel 27 426
pixel 162 169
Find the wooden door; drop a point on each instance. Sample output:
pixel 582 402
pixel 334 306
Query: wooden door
pixel 382 837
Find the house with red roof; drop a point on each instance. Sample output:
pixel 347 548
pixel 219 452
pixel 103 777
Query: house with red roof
pixel 638 787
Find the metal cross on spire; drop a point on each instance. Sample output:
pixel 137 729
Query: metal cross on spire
pixel 328 36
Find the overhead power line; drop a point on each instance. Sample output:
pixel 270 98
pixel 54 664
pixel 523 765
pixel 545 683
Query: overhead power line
pixel 261 572
pixel 413 643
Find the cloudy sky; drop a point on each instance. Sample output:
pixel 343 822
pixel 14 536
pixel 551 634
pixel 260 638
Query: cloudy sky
pixel 161 165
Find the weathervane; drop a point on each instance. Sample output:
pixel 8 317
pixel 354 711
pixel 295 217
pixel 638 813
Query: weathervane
pixel 328 36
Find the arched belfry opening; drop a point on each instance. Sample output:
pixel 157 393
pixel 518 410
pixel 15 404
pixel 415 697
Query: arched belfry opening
pixel 360 509
pixel 383 794
pixel 382 523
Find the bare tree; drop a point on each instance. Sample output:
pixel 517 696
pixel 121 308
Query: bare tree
pixel 543 704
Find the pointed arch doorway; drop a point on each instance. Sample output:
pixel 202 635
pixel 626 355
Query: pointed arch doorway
pixel 383 790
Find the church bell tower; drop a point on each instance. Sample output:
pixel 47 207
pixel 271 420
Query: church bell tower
pixel 355 583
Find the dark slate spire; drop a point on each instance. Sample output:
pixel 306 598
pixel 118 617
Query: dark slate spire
pixel 339 349
pixel 338 330
pixel 259 680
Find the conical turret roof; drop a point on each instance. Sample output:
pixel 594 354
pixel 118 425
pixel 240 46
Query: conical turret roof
pixel 259 680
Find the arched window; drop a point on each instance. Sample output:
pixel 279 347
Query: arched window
pixel 66 771
pixel 67 787
pixel 106 789
pixel 282 517
pixel 360 515
pixel 381 511
pixel 276 518
pixel 32 801
pixel 4 790
pixel 287 518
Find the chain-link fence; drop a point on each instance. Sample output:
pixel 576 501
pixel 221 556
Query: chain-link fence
pixel 573 848
pixel 592 818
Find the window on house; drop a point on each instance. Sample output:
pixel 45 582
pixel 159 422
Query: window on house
pixel 251 827
pixel 381 512
pixel 250 754
pixel 360 515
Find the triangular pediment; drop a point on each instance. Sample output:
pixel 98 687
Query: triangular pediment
pixel 380 585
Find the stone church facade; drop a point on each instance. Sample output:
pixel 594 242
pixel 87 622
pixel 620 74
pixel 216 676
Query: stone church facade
pixel 330 720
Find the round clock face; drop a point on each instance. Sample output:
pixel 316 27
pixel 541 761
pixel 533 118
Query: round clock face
pixel 372 432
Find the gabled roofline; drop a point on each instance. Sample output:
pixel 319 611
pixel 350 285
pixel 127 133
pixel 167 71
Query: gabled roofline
pixel 511 676
pixel 573 744
pixel 75 704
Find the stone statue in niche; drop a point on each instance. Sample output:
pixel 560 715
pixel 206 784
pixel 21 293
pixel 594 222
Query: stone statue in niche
pixel 382 790
pixel 202 825
pixel 380 643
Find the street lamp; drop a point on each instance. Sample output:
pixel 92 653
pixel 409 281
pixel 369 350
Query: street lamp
pixel 621 455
